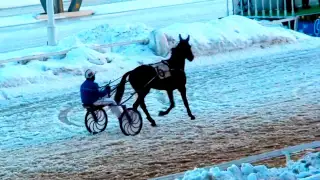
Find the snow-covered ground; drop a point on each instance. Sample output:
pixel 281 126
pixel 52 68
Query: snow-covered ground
pixel 307 168
pixel 243 106
pixel 242 66
pixel 217 38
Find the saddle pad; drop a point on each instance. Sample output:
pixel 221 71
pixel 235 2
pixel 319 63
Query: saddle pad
pixel 162 70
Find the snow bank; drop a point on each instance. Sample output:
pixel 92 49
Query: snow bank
pixel 113 62
pixel 221 35
pixel 106 34
pixel 230 33
pixel 307 168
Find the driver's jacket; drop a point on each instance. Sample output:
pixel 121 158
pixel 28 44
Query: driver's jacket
pixel 90 92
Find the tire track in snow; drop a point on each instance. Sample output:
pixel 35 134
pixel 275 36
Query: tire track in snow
pixel 63 115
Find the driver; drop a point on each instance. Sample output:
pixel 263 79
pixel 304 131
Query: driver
pixel 91 95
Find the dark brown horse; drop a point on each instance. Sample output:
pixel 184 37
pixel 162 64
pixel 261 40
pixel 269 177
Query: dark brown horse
pixel 145 77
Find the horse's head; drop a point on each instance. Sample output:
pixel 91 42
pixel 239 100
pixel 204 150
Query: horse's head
pixel 185 48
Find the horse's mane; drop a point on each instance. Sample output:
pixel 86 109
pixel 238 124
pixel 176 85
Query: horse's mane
pixel 175 49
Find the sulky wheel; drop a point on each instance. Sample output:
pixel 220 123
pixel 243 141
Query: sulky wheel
pixel 100 124
pixel 130 128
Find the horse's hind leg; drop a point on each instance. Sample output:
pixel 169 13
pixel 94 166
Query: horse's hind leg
pixel 136 104
pixel 140 101
pixel 170 95
pixel 144 108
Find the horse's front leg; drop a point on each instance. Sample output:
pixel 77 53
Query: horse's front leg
pixel 183 92
pixel 170 95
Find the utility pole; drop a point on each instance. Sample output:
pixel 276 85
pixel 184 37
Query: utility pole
pixel 51 29
pixel 227 7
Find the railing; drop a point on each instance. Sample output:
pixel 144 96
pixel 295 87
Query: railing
pixel 262 8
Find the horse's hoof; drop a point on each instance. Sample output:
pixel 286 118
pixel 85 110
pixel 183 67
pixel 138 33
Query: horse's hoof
pixel 162 113
pixel 153 123
pixel 192 117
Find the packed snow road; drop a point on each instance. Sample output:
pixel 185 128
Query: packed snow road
pixel 242 108
pixel 156 17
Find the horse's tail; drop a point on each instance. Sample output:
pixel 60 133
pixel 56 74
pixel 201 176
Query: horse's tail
pixel 120 88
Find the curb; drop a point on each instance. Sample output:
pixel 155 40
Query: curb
pixel 250 159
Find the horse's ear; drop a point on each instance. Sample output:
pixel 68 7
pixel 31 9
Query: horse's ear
pixel 180 38
pixel 188 38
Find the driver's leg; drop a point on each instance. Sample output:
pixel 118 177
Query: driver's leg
pixel 116 110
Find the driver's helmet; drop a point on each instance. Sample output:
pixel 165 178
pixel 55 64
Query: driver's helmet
pixel 89 74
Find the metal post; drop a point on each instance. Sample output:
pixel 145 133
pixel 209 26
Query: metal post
pixel 289 24
pixel 241 6
pixel 255 8
pixel 249 9
pixel 263 10
pixel 227 7
pixel 285 8
pixel 296 23
pixel 270 6
pixel 278 10
pixel 292 7
pixel 51 29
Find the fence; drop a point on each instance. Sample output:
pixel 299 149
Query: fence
pixel 263 8
pixel 267 8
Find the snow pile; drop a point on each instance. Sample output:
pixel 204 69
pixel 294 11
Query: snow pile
pixel 81 57
pixel 107 34
pixel 231 33
pixel 307 168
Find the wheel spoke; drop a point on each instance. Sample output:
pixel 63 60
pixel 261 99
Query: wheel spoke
pixel 93 128
pixel 135 120
pixel 91 124
pixel 133 127
pixel 136 124
pixel 99 125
